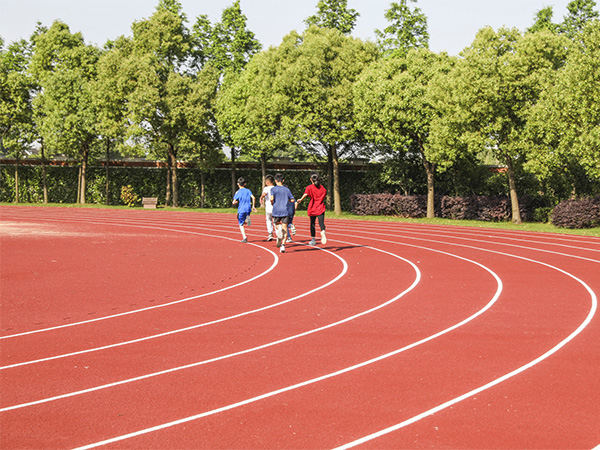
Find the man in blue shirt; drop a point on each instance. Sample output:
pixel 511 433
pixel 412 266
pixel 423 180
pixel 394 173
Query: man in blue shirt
pixel 281 197
pixel 245 201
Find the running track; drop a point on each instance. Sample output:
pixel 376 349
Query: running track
pixel 154 329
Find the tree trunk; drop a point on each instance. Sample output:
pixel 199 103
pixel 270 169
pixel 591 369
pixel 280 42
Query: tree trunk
pixel 107 197
pixel 233 177
pixel 17 199
pixel 78 184
pixel 430 170
pixel 202 189
pixel 44 183
pixel 84 163
pixel 337 200
pixel 263 168
pixel 512 187
pixel 173 156
pixel 168 187
pixel 328 199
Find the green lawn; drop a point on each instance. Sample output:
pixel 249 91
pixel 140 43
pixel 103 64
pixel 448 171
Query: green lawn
pixel 529 226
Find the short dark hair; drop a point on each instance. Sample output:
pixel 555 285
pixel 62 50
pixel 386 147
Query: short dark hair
pixel 241 181
pixel 279 177
pixel 270 178
pixel 315 179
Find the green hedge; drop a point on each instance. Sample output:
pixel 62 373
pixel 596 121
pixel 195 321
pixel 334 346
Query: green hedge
pixel 151 182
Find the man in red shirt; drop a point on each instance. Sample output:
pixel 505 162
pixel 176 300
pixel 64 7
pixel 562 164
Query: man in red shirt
pixel 316 208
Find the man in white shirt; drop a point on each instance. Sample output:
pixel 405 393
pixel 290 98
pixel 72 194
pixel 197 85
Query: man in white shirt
pixel 265 200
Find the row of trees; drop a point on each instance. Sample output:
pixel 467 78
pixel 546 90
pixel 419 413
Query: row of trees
pixel 528 101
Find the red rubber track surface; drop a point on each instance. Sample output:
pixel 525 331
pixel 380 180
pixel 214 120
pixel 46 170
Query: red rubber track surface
pixel 160 330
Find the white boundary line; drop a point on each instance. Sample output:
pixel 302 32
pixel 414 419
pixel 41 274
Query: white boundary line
pixel 204 225
pixel 450 233
pixel 112 316
pixel 193 327
pixel 242 352
pixel 449 403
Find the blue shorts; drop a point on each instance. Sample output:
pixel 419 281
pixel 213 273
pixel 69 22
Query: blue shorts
pixel 242 216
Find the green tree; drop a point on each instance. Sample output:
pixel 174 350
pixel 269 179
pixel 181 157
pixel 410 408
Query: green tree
pixel 318 71
pixel 251 110
pixel 334 14
pixel 394 108
pixel 227 45
pixel 564 127
pixel 491 91
pixel 65 68
pixel 580 13
pixel 203 144
pixel 16 112
pixel 156 84
pixel 407 29
pixel 543 21
pixel 110 91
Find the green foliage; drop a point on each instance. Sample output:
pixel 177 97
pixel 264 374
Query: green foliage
pixel 16 113
pixel 227 45
pixel 251 110
pixel 334 14
pixel 128 196
pixel 543 21
pixel 407 29
pixel 581 12
pixel 564 128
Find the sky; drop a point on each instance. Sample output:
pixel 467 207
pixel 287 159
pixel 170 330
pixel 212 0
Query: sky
pixel 452 24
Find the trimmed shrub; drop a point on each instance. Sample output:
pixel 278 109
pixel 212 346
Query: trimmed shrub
pixel 410 206
pixel 474 207
pixel 577 213
pixel 460 208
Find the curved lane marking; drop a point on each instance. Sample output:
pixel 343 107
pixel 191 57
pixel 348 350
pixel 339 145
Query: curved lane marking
pixel 193 327
pixel 454 401
pixel 511 374
pixel 242 352
pixel 112 316
pixel 323 377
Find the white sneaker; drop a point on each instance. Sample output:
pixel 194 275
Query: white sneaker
pixel 282 249
pixel 289 240
pixel 270 237
pixel 323 238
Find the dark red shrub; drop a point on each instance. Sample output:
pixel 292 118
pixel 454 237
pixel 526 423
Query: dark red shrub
pixel 577 213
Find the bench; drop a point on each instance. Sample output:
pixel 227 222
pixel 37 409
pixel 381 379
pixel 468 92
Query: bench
pixel 149 202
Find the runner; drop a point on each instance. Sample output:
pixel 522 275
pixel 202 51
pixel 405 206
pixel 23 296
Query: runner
pixel 316 208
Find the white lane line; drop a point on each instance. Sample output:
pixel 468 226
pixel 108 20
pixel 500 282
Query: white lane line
pixel 112 316
pixel 454 401
pixel 457 234
pixel 242 352
pixel 427 238
pixel 452 233
pixel 193 327
pixel 345 370
pixel 323 377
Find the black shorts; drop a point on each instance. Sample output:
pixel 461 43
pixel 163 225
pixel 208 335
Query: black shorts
pixel 279 220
